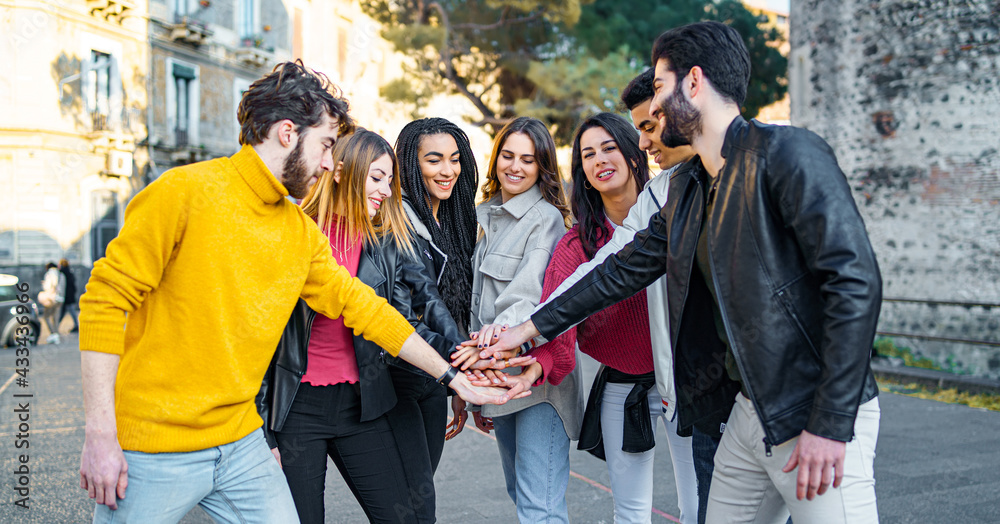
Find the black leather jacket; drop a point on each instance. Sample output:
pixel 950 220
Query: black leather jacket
pixel 798 285
pixel 394 276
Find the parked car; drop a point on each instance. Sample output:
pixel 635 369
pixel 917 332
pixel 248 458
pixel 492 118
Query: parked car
pixel 10 315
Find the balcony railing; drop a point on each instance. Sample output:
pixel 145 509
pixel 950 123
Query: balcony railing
pixel 128 120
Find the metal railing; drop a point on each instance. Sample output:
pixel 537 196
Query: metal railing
pixel 128 120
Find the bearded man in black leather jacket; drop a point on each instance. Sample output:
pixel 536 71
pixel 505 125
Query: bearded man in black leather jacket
pixel 773 295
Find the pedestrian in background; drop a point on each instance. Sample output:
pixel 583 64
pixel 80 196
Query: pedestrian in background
pixel 70 305
pixel 51 298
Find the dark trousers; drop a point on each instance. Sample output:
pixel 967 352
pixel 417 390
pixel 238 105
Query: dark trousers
pixel 703 446
pixel 418 421
pixel 326 421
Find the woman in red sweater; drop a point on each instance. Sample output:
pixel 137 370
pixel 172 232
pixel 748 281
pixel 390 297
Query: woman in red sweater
pixel 609 171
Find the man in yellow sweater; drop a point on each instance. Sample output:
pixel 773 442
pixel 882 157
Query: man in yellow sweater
pixel 202 277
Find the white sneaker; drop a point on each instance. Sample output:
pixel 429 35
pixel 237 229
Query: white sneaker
pixel 53 338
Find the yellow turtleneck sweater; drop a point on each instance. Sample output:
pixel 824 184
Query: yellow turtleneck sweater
pixel 207 267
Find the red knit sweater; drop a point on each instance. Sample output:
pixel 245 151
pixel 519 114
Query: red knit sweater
pixel 617 336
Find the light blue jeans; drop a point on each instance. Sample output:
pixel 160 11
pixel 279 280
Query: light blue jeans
pixel 534 452
pixel 236 482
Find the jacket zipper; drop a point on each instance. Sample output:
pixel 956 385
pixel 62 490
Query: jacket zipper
pixel 729 334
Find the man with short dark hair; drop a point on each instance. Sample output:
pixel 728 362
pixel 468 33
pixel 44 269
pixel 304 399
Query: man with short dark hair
pixel 203 276
pixel 773 297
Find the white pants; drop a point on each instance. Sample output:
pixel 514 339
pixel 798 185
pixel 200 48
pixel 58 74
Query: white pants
pixel 632 473
pixel 749 486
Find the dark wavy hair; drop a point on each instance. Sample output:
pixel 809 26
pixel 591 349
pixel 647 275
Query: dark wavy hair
pixel 717 48
pixel 588 207
pixel 638 90
pixel 545 157
pixel 456 233
pixel 293 92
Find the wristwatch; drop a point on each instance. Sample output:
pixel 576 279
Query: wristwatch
pixel 448 376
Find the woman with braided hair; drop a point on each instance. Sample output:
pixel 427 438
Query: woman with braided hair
pixel 439 177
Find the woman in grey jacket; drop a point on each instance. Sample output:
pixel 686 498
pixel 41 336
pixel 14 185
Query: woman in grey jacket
pixel 521 219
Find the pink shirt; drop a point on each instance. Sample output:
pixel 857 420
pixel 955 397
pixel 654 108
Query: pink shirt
pixel 331 344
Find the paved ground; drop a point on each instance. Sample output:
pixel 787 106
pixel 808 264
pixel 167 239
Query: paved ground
pixel 937 463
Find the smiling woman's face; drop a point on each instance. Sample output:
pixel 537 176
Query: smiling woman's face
pixel 439 165
pixel 603 162
pixel 378 185
pixel 517 169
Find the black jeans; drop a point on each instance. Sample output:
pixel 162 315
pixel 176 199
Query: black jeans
pixel 418 421
pixel 703 446
pixel 326 421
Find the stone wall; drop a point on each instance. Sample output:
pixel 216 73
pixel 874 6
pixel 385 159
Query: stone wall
pixel 908 94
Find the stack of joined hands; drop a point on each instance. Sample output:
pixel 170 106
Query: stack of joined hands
pixel 483 358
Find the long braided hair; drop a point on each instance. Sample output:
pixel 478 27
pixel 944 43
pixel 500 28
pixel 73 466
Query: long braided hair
pixel 588 206
pixel 456 232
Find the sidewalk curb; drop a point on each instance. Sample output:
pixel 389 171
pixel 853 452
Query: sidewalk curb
pixel 934 378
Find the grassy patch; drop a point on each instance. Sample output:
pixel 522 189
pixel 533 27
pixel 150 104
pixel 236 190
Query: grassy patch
pixel 886 347
pixel 989 401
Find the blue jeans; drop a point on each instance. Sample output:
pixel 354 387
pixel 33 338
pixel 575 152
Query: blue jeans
pixel 703 450
pixel 235 482
pixel 534 452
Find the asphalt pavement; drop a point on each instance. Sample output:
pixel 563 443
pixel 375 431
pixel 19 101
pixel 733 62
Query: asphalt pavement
pixel 935 463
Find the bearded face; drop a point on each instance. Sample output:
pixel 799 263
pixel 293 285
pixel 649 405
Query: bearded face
pixel 296 173
pixel 682 121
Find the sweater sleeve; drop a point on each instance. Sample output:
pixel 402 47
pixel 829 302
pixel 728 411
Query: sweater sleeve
pixel 558 356
pixel 654 194
pixel 134 263
pixel 330 290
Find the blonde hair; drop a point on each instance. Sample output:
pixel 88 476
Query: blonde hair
pixel 357 152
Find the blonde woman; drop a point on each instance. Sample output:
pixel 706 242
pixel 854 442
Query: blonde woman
pixel 327 391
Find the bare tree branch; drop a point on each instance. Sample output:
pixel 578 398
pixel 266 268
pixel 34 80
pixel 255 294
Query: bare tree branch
pixel 501 22
pixel 448 67
pixel 497 123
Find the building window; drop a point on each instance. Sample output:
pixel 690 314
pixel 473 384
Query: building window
pixel 248 13
pixel 184 85
pixel 183 8
pixel 104 222
pixel 98 89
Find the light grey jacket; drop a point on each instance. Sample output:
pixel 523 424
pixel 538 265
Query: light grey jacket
pixel 514 247
pixel 652 198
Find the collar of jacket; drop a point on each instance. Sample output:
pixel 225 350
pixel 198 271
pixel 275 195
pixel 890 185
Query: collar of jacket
pixel 517 206
pixel 735 127
pixel 256 175
pixel 418 225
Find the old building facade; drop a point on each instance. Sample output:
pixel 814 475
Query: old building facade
pixel 74 95
pixel 101 97
pixel 907 94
